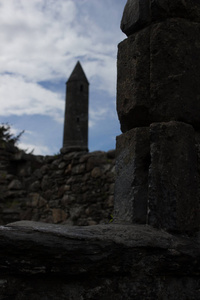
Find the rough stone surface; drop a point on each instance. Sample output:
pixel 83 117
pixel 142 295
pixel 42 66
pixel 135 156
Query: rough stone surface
pixel 140 13
pixel 174 72
pixel 97 262
pixel 136 15
pixel 173 186
pixel 49 189
pixel 162 9
pixel 133 80
pixel 15 185
pixel 131 183
pixel 158 71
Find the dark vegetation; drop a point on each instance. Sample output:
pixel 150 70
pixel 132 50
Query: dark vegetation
pixel 7 136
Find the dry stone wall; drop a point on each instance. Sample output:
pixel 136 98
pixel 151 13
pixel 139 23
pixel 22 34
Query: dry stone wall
pixel 75 188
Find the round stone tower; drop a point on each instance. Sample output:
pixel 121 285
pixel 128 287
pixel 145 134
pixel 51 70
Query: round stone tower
pixel 75 136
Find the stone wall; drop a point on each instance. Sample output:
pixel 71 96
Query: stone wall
pixel 75 188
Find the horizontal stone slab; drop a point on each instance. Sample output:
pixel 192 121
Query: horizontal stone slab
pixel 158 75
pixel 140 13
pixel 61 262
pixel 73 250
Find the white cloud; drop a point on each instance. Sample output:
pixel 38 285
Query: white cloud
pixel 97 115
pixel 23 97
pixel 31 36
pixel 36 149
pixel 25 139
pixel 41 40
pixel 39 37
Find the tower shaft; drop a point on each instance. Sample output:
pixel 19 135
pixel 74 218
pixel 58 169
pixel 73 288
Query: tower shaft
pixel 75 136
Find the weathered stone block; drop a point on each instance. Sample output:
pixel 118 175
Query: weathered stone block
pixel 162 9
pixel 175 72
pixel 15 185
pixel 131 184
pixel 133 80
pixel 173 189
pixel 58 215
pixel 158 75
pixel 43 261
pixel 140 13
pixel 136 15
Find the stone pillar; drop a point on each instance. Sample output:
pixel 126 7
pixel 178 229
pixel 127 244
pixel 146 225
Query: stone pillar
pixel 158 105
pixel 159 63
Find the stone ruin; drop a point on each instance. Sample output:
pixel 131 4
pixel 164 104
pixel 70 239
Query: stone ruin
pixel 152 249
pixel 75 188
pixel 158 104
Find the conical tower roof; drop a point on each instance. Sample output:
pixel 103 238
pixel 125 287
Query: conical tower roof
pixel 78 74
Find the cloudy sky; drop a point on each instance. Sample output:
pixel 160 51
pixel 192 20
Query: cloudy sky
pixel 41 41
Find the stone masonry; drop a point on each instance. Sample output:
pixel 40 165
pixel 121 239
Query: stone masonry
pixel 159 65
pixel 75 137
pixel 74 189
pixel 158 104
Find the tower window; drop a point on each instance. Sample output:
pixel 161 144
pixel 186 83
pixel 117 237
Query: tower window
pixel 81 88
pixel 77 120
